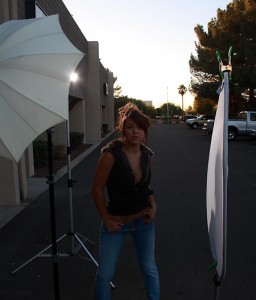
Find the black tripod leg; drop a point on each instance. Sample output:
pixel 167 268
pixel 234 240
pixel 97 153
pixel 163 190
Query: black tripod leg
pixel 217 283
pixel 55 257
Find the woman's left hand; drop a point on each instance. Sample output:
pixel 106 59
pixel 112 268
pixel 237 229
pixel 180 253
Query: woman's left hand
pixel 150 214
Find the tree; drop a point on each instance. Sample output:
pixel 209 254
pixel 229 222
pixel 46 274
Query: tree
pixel 204 106
pixel 190 110
pixel 236 27
pixel 117 90
pixel 122 100
pixel 173 109
pixel 182 91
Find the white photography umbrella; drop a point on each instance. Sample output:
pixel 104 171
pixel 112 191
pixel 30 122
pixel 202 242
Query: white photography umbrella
pixel 36 61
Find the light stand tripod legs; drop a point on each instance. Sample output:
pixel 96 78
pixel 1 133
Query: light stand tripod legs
pixel 89 254
pixel 74 236
pixel 39 254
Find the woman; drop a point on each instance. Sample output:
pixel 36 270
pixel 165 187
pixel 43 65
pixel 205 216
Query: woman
pixel 125 170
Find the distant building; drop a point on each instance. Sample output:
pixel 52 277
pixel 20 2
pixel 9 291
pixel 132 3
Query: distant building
pixel 148 102
pixel 91 101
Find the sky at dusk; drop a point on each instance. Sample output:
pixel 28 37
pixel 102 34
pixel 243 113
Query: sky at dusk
pixel 146 44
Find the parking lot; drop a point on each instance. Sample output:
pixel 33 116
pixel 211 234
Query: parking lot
pixel 182 248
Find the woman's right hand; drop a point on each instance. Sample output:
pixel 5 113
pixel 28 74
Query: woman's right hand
pixel 113 226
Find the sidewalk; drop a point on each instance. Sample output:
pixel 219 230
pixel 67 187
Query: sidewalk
pixel 37 186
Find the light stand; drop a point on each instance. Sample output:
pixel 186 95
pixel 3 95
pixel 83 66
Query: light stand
pixel 217 284
pixel 54 254
pixel 74 236
pixel 55 258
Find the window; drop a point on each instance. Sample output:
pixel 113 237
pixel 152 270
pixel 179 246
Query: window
pixel 253 117
pixel 242 116
pixel 39 12
pixel 105 87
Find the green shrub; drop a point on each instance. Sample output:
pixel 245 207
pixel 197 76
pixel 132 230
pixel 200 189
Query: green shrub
pixel 40 150
pixel 76 139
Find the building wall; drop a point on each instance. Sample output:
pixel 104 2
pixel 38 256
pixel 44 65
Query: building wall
pixel 106 87
pixel 10 188
pixel 8 10
pixel 9 182
pixel 110 102
pixel 93 107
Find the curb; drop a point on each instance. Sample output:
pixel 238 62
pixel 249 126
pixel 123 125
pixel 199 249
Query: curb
pixel 36 186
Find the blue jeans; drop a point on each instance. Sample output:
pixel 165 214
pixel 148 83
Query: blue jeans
pixel 110 245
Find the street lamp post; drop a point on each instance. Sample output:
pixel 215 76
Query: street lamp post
pixel 167 107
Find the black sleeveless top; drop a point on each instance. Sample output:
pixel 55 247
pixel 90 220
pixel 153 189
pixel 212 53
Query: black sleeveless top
pixel 125 197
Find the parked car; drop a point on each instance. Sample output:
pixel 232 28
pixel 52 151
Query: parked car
pixel 186 117
pixel 208 127
pixel 199 121
pixel 245 124
pixel 252 134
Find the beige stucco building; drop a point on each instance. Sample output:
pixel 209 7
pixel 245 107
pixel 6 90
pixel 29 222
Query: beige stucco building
pixel 91 101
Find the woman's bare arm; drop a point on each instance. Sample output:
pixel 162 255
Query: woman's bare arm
pixel 103 169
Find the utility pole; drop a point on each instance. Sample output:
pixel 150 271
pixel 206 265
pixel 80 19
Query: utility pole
pixel 167 107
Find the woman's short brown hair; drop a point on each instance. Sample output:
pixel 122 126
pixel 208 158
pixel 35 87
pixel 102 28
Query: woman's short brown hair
pixel 130 110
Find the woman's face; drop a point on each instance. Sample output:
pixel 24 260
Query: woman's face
pixel 132 133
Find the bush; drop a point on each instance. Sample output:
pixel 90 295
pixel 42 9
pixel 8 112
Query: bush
pixel 40 150
pixel 76 139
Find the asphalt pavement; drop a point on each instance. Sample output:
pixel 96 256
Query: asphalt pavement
pixel 182 246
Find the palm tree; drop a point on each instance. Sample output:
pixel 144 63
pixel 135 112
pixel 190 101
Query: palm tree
pixel 182 91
